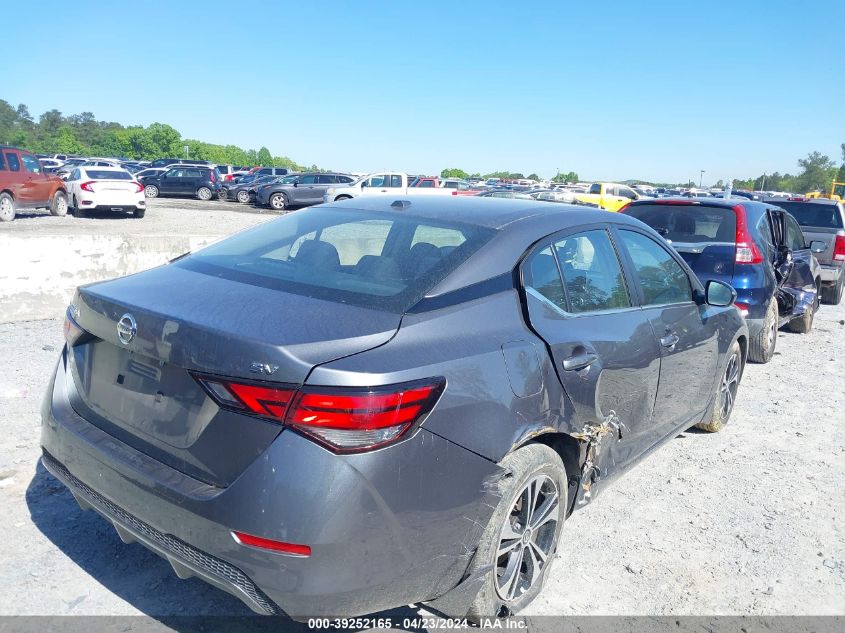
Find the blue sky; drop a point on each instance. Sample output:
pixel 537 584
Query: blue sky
pixel 613 90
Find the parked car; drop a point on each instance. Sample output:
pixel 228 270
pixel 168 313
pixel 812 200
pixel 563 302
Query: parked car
pixel 101 162
pixel 503 193
pixel 105 189
pixel 227 172
pixel 150 171
pixel 822 220
pixel 299 191
pixel 390 184
pixel 24 184
pixel 757 248
pixel 608 195
pixel 50 165
pixel 244 411
pixel 269 171
pixel 70 164
pixel 165 162
pixel 244 191
pixel 196 181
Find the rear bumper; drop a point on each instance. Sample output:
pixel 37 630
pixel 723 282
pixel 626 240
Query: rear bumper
pixel 386 528
pixel 829 273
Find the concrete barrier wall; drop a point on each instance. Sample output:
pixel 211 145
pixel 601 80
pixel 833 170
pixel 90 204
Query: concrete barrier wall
pixel 39 273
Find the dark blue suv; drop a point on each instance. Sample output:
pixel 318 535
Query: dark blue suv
pixel 755 247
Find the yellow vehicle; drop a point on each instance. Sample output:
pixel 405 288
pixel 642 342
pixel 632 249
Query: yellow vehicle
pixel 608 195
pixel 837 192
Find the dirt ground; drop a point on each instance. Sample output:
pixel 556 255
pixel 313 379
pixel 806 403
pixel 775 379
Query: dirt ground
pixel 746 521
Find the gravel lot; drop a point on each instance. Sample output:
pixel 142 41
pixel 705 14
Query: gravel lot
pixel 747 521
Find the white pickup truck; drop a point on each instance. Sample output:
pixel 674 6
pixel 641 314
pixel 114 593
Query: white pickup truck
pixel 397 184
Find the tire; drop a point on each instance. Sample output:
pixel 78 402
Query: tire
pixel 279 201
pixel 139 213
pixel 58 205
pixel 223 194
pixel 804 323
pixel 243 196
pixel 719 413
pixel 7 207
pixel 151 191
pixel 204 193
pixel 761 348
pixel 832 293
pixel 528 467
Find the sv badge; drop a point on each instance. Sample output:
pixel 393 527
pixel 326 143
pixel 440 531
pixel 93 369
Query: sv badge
pixel 263 368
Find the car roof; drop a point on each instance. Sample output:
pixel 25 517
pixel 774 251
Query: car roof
pixel 707 201
pixel 777 201
pixel 495 213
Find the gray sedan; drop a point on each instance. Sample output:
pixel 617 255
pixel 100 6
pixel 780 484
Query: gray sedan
pixel 374 403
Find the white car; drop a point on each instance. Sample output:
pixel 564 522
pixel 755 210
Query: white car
pixel 105 189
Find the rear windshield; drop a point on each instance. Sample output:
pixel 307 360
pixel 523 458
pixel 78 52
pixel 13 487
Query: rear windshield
pixel 826 216
pixel 101 174
pixel 689 224
pixel 370 259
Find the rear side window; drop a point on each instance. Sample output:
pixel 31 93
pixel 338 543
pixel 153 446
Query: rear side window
pixel 2 163
pixel 662 279
pixel 794 236
pixel 825 216
pixel 343 256
pixel 395 181
pixel 595 188
pixel 31 164
pixel 345 179
pixel 14 163
pixel 688 224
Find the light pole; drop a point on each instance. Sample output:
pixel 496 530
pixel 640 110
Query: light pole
pixel 763 184
pixel 701 178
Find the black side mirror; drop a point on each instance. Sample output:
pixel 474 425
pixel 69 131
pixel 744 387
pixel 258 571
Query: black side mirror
pixel 295 183
pixel 719 294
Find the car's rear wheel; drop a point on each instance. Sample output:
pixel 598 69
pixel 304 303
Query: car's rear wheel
pixel 832 293
pixel 139 213
pixel 279 201
pixel 521 538
pixel 761 347
pixel 7 207
pixel 719 413
pixel 223 194
pixel 804 323
pixel 58 205
pixel 204 193
pixel 151 191
pixel 243 196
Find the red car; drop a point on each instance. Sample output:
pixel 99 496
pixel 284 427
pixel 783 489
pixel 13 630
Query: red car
pixel 24 184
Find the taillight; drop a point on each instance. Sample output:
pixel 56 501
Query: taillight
pixel 293 549
pixel 72 330
pixel 344 420
pixel 86 186
pixel 140 187
pixel 742 307
pixel 746 250
pixel 839 249
pixel 213 176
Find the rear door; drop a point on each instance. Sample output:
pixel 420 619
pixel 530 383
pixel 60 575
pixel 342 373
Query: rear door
pixel 687 338
pixel 36 184
pixel 798 287
pixel 603 347
pixel 306 190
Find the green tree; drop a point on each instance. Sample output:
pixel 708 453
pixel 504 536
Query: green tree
pixel 533 177
pixel 453 172
pixel 840 175
pixel 567 177
pixel 66 142
pixel 818 172
pixel 265 159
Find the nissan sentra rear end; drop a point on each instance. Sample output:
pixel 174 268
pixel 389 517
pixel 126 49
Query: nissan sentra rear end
pixel 182 411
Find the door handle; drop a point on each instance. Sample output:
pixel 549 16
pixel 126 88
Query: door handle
pixel 670 340
pixel 579 361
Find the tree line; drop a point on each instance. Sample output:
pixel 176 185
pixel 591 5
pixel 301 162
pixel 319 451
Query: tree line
pixel 83 134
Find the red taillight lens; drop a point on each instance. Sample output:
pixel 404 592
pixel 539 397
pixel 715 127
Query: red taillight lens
pixel 277 546
pixel 839 249
pixel 140 187
pixel 344 420
pixel 86 186
pixel 213 176
pixel 742 307
pixel 747 251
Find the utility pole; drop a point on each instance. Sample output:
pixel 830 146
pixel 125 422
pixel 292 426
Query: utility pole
pixel 701 178
pixel 763 184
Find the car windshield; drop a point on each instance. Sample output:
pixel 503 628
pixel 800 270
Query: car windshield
pixel 371 259
pixel 103 174
pixel 825 216
pixel 689 224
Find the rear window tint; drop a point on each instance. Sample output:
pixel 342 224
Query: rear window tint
pixel 825 216
pixel 102 174
pixel 371 259
pixel 14 162
pixel 689 224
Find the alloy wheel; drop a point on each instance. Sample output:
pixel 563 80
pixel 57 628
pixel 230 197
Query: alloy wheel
pixel 729 386
pixel 527 538
pixel 7 210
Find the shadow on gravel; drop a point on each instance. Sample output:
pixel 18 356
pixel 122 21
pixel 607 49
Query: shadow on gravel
pixel 138 576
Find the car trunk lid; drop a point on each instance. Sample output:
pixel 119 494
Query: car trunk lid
pixel 141 388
